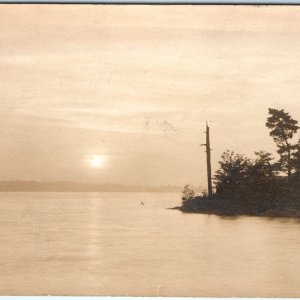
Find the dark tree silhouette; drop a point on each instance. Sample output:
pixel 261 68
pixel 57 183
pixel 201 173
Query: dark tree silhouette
pixel 283 127
pixel 296 158
pixel 263 165
pixel 234 169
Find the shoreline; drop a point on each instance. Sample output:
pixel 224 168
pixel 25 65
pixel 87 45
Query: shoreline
pixel 271 213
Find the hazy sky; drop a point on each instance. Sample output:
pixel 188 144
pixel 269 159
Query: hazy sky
pixel 135 84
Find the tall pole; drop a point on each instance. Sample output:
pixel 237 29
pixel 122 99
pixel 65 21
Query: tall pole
pixel 208 162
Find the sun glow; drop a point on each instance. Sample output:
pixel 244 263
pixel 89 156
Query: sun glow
pixel 96 161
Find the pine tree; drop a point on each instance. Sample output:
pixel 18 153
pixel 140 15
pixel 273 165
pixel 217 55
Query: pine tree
pixel 283 127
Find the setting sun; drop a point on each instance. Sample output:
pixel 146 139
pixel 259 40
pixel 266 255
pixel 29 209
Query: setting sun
pixel 96 161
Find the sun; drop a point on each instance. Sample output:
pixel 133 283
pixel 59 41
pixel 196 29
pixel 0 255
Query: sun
pixel 96 161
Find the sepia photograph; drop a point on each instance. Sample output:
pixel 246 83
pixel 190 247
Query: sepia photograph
pixel 150 150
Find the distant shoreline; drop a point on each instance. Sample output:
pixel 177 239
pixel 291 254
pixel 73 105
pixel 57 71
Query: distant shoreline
pixel 45 191
pixel 69 186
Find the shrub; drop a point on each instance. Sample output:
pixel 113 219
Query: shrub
pixel 188 193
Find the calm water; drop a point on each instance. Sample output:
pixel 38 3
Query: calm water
pixel 109 244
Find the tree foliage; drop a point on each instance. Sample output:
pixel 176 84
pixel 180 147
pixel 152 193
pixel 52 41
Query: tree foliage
pixel 282 129
pixel 237 170
pixel 263 165
pixel 188 193
pixel 233 170
pixel 296 157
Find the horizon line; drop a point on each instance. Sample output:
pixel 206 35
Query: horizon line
pixel 82 182
pixel 157 2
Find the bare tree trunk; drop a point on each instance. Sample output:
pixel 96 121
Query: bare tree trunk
pixel 209 181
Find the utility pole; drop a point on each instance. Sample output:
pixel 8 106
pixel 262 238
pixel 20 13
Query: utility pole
pixel 208 161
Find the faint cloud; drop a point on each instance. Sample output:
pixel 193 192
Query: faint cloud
pixel 163 125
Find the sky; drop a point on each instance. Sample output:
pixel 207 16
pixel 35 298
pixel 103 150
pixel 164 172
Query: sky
pixel 134 86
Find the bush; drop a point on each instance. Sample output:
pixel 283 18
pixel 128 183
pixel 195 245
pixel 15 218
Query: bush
pixel 188 193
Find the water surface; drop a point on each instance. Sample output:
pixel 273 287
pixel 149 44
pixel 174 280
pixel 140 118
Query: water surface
pixel 110 244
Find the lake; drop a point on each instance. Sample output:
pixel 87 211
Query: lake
pixel 110 244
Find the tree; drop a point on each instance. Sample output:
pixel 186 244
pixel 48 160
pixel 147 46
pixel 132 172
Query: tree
pixel 188 193
pixel 234 169
pixel 283 127
pixel 263 165
pixel 296 157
